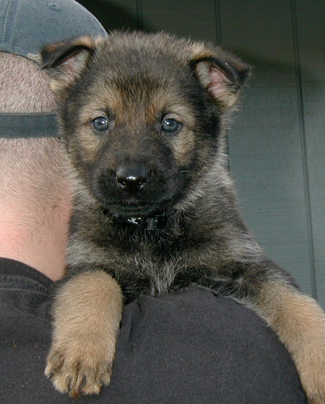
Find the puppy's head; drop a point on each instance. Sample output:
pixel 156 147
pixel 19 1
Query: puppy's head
pixel 142 114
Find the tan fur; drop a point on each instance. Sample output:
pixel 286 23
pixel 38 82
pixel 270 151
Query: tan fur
pixel 94 309
pixel 300 324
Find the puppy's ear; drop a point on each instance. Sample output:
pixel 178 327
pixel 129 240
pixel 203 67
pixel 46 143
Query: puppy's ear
pixel 65 62
pixel 222 74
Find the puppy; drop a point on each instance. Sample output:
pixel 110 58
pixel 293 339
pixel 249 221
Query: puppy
pixel 143 118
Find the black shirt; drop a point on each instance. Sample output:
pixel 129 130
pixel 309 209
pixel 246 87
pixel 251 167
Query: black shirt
pixel 186 347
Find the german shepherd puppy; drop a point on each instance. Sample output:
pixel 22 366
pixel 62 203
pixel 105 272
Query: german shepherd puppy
pixel 143 117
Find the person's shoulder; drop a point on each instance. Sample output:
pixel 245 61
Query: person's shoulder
pixel 24 291
pixel 20 275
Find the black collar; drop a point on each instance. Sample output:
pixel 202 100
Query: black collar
pixel 148 223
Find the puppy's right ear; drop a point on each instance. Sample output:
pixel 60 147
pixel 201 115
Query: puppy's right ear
pixel 64 62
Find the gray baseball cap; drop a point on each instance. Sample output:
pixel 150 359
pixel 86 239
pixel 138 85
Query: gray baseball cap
pixel 26 26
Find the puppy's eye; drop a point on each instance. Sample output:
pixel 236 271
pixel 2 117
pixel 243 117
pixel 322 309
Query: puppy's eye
pixel 170 126
pixel 100 124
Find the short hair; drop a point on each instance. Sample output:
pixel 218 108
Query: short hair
pixel 24 86
pixel 40 163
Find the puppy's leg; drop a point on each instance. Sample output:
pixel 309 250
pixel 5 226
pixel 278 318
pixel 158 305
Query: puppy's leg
pixel 87 314
pixel 300 324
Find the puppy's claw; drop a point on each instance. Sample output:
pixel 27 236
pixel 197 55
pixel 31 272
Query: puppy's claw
pixel 78 378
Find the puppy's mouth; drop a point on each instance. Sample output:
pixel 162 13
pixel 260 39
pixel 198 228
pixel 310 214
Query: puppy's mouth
pixel 129 210
pixel 140 217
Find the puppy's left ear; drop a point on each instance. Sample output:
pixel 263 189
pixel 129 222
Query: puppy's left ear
pixel 222 74
pixel 65 62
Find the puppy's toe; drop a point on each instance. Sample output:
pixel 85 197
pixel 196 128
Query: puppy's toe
pixel 78 375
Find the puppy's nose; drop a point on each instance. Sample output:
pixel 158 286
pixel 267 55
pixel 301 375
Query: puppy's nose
pixel 130 179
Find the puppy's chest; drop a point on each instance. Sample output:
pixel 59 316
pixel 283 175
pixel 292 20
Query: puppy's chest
pixel 149 248
pixel 151 263
pixel 146 261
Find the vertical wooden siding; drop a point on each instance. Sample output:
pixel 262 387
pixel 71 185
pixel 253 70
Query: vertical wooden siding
pixel 277 141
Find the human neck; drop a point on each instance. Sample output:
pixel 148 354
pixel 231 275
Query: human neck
pixel 35 238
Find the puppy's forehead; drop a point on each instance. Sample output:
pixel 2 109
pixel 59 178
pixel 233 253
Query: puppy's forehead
pixel 136 77
pixel 135 48
pixel 135 58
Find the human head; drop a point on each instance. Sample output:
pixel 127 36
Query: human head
pixel 35 186
pixel 26 26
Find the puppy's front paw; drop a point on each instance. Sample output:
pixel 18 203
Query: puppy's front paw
pixel 79 367
pixel 87 314
pixel 312 373
pixel 300 324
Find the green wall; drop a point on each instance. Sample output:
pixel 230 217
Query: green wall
pixel 277 141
